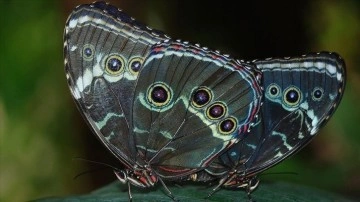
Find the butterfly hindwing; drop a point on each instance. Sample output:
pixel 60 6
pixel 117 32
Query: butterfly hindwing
pixel 170 128
pixel 310 91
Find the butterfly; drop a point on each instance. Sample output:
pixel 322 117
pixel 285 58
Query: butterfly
pixel 300 95
pixel 164 108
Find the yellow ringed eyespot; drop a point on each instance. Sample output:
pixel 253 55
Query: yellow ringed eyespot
pixel 201 97
pixel 114 64
pixel 159 94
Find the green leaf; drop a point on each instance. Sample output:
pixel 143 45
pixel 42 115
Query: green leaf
pixel 267 191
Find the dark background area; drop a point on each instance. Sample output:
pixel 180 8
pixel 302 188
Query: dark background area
pixel 42 132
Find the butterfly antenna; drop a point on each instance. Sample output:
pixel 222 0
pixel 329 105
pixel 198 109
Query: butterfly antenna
pixel 280 173
pixel 92 170
pixel 96 162
pixel 86 172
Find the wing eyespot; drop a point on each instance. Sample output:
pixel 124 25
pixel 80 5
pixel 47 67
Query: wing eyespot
pixel 273 90
pixel 88 52
pixel 114 64
pixel 201 97
pixel 317 94
pixel 135 65
pixel 159 95
pixel 216 111
pixel 292 96
pixel 227 126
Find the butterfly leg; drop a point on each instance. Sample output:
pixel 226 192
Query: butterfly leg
pixel 249 197
pixel 214 190
pixel 123 178
pixel 223 181
pixel 129 191
pixel 167 190
pixel 251 186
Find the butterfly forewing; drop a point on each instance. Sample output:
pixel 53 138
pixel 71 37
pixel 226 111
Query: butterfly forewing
pixel 102 53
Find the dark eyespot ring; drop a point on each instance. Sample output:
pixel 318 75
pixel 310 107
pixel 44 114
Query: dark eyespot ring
pixel 201 97
pixel 216 111
pixel 159 94
pixel 135 65
pixel 114 64
pixel 317 93
pixel 273 90
pixel 88 52
pixel 292 96
pixel 227 126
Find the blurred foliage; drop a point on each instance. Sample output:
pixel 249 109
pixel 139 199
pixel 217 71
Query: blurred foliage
pixel 35 117
pixel 41 130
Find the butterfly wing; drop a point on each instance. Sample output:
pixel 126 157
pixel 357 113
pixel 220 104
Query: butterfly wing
pixel 300 96
pixel 319 81
pixel 104 49
pixel 189 105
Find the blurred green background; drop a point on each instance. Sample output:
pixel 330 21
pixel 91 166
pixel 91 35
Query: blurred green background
pixel 41 131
